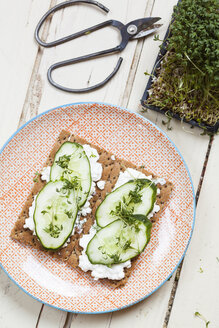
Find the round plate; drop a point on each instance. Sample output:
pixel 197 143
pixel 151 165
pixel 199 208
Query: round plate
pixel 129 136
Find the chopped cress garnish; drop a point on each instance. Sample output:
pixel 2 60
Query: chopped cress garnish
pixel 71 182
pixel 55 213
pixel 135 197
pixel 72 165
pixel 124 227
pixel 200 316
pixel 120 245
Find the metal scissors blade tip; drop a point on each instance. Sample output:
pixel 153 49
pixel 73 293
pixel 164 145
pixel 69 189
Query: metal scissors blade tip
pixel 142 27
pixel 147 31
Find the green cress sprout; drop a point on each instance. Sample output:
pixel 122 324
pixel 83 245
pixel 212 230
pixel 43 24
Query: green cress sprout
pixel 187 82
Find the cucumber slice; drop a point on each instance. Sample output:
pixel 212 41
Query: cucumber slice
pixel 55 213
pixel 134 197
pixel 118 242
pixel 71 163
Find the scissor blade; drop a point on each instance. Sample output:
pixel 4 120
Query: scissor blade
pixel 147 31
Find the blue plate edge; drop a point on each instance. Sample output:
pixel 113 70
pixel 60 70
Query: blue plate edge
pixel 194 205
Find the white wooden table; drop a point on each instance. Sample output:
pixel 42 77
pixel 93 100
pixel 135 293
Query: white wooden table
pixel 25 92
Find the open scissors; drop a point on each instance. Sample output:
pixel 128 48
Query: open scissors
pixel 133 30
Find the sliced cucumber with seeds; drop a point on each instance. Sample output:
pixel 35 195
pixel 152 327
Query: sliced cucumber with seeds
pixel 55 213
pixel 134 197
pixel 118 242
pixel 71 163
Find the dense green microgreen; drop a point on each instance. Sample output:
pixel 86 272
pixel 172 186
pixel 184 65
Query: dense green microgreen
pixel 125 208
pixel 69 213
pixel 53 230
pixel 37 174
pixel 115 257
pixel 122 244
pixel 68 185
pixel 200 316
pixel 121 211
pixel 44 212
pixel 156 37
pixel 188 79
pixel 127 245
pixel 135 196
pixel 63 161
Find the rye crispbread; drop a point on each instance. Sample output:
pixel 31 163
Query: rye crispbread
pixel 111 169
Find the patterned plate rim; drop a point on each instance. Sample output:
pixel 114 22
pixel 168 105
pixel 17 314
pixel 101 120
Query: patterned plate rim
pixel 193 192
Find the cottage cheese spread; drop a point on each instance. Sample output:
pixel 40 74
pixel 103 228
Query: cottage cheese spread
pixel 101 184
pixel 115 272
pixel 96 173
pixel 93 156
pixel 130 174
pixel 45 174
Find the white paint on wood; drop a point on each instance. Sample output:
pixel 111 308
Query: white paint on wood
pixel 95 70
pixel 197 290
pixel 125 89
pixel 148 313
pixel 192 146
pixel 51 318
pixel 189 142
pixel 17 56
pixel 91 321
pixel 17 309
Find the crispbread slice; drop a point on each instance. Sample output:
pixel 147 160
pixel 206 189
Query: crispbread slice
pixel 111 170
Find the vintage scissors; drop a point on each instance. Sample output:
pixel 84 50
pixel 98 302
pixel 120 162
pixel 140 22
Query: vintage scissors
pixel 133 30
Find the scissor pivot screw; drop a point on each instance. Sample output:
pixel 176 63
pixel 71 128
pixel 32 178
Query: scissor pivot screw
pixel 132 29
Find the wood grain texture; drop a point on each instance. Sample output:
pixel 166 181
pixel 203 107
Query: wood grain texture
pixel 199 280
pixel 191 145
pixel 51 318
pixel 126 89
pixel 94 70
pixel 18 51
pixel 16 305
pixel 17 57
pixel 188 141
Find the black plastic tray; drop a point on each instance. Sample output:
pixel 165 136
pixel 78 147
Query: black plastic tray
pixel 212 129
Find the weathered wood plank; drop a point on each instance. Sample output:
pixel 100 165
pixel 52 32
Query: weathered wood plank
pixel 192 146
pixel 17 309
pixel 148 313
pixel 17 56
pixel 199 280
pixel 95 70
pixel 190 143
pixel 151 312
pixel 93 321
pixel 51 318
pixel 114 92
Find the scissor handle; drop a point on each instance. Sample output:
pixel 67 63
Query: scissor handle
pixel 81 59
pixel 71 36
pixel 125 38
pixel 120 47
